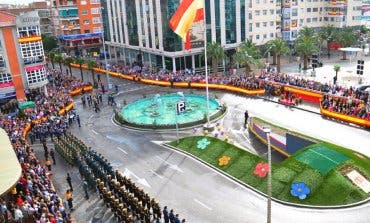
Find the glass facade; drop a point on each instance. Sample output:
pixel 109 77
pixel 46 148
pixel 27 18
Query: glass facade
pixel 171 41
pixel 132 23
pixel 230 21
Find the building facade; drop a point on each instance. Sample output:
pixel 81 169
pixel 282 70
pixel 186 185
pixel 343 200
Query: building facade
pixel 78 25
pixel 22 63
pixel 138 30
pixel 43 10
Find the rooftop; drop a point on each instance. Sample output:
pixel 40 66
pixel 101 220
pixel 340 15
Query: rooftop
pixel 7 19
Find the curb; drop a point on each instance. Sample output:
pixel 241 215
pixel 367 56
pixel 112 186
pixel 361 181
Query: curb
pixel 303 206
pixel 303 109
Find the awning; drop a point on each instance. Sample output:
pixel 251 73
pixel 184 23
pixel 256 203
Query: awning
pixel 350 49
pixel 10 169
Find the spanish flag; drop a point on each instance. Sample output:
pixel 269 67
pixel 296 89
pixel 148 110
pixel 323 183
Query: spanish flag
pixel 188 12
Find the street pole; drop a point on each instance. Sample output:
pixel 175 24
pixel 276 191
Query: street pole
pixel 105 62
pixel 269 185
pixel 105 54
pixel 205 61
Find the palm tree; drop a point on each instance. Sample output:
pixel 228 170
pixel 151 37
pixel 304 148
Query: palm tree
pixel 305 47
pixel 306 32
pixel 80 62
pixel 68 61
pixel 52 58
pixel 247 55
pixel 346 38
pixel 327 34
pixel 336 69
pixel 217 53
pixel 91 64
pixel 58 58
pixel 278 47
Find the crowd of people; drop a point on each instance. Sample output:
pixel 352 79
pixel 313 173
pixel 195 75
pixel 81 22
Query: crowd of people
pixel 267 79
pixel 352 107
pixel 34 199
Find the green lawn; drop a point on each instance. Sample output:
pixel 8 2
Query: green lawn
pixel 331 188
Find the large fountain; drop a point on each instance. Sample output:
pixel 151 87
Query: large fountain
pixel 160 111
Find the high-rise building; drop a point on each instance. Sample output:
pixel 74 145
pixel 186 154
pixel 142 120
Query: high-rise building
pixel 78 25
pixel 21 55
pixel 138 30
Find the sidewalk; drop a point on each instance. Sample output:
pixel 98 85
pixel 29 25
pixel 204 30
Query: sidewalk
pixel 346 76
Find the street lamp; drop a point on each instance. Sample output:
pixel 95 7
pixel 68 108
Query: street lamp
pixel 267 130
pixel 105 54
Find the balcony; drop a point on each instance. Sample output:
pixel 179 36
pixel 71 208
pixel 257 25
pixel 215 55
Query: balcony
pixel 67 3
pixel 338 2
pixel 33 60
pixel 70 27
pixel 29 38
pixel 335 13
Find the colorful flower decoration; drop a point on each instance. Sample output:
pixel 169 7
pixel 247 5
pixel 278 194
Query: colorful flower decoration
pixel 195 130
pixel 222 133
pixel 203 143
pixel 205 132
pixel 226 138
pixel 224 160
pixel 261 170
pixel 217 123
pixel 216 135
pixel 219 128
pixel 300 190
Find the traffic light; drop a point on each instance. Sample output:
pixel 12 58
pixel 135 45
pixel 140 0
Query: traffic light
pixel 360 67
pixel 315 61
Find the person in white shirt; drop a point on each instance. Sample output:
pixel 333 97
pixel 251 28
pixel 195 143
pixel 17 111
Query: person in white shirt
pixel 18 215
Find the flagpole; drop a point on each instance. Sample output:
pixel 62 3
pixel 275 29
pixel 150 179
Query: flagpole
pixel 205 60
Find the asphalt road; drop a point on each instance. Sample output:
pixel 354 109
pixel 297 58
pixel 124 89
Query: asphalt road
pixel 195 191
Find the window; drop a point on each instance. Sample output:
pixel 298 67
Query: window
pixel 97 20
pixel 95 11
pixel 28 31
pixel 84 12
pixel 271 35
pixel 257 24
pixel 2 62
pixel 87 31
pixel 86 22
pixel 5 78
pixel 272 12
pixel 257 37
pixel 264 24
pixel 98 30
pixel 272 23
pixel 94 1
pixel 83 2
pixel 264 12
pixel 32 52
pixel 35 76
pixel 257 12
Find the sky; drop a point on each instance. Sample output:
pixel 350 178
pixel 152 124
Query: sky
pixel 17 1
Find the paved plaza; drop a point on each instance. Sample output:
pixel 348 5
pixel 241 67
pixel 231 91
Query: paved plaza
pixel 192 189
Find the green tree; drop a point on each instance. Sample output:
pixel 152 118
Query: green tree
pixel 59 58
pixel 216 52
pixel 278 47
pixel 305 47
pixel 306 44
pixel 336 69
pixel 48 42
pixel 91 64
pixel 328 34
pixel 346 37
pixel 51 56
pixel 247 55
pixel 68 61
pixel 80 62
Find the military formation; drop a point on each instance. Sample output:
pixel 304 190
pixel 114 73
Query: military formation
pixel 127 201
